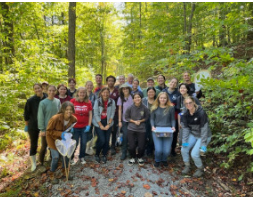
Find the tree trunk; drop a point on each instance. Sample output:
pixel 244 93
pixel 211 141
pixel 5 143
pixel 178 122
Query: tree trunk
pixel 184 26
pixel 71 39
pixel 189 33
pixel 65 40
pixel 8 30
pixel 222 30
pixel 140 20
pixel 250 22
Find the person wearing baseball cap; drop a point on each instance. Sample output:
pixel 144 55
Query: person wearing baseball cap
pixel 45 87
pixel 150 83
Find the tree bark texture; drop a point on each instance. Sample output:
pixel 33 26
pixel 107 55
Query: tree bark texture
pixel 71 39
pixel 184 26
pixel 189 33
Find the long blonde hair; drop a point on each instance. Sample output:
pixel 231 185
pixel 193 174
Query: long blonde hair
pixel 156 103
pixel 86 98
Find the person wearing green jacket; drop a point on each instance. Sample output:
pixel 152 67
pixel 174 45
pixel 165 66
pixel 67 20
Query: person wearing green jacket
pixel 47 108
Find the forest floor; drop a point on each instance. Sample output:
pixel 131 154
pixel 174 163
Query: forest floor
pixel 117 178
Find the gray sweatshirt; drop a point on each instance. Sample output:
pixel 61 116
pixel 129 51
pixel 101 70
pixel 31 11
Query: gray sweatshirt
pixel 159 119
pixel 137 113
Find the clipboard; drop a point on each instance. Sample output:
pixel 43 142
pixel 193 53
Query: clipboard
pixel 163 132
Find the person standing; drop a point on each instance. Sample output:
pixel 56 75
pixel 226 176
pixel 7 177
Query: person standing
pixel 121 80
pixel 196 135
pixel 31 121
pixel 72 87
pixel 173 93
pixel 148 102
pixel 162 115
pixel 136 115
pixel 113 94
pixel 150 83
pixel 130 80
pixel 124 101
pixel 104 110
pixel 99 85
pixel 56 130
pixel 92 97
pixel 62 93
pixel 83 113
pixel 47 108
pixel 135 87
pixel 194 88
pixel 45 87
pixel 161 82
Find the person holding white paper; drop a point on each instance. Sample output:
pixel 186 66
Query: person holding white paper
pixel 196 135
pixel 56 129
pixel 162 115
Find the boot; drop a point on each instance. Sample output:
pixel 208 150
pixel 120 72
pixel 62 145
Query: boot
pixel 199 172
pixel 186 169
pixel 33 163
pixel 52 178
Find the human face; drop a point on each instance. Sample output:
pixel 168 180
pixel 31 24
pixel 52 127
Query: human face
pixel 160 80
pixel 126 91
pixel 183 90
pixel 45 87
pixel 98 80
pixel 89 86
pixel 151 94
pixel 163 99
pixel 186 77
pixel 82 94
pixel 137 100
pixel 121 80
pixel 110 82
pixel 105 95
pixel 68 112
pixel 189 104
pixel 173 83
pixel 38 90
pixel 150 83
pixel 130 79
pixel 51 92
pixel 72 85
pixel 62 90
pixel 135 85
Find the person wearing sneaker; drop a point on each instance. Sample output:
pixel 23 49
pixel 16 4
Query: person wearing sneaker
pixel 104 109
pixel 47 108
pixel 31 121
pixel 124 101
pixel 55 130
pixel 196 135
pixel 83 113
pixel 162 115
pixel 136 115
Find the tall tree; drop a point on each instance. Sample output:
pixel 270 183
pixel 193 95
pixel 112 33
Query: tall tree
pixel 189 33
pixel 71 39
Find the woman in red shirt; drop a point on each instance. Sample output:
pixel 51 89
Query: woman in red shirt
pixel 83 113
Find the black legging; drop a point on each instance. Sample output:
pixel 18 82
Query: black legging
pixel 34 137
pixel 174 140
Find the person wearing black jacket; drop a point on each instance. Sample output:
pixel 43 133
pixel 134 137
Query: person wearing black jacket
pixel 31 121
pixel 196 135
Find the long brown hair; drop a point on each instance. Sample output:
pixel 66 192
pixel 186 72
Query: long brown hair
pixel 156 103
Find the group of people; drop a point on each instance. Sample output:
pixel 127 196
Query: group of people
pixel 109 109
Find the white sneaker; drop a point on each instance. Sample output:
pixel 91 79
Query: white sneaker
pixel 141 162
pixel 73 162
pixel 131 162
pixel 82 161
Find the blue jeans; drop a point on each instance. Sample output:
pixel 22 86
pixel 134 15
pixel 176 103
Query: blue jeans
pixel 55 158
pixel 125 137
pixel 103 138
pixel 194 143
pixel 80 134
pixel 162 147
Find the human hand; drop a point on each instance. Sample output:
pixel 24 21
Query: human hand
pixel 137 122
pixel 185 144
pixel 203 149
pixel 106 127
pixel 72 130
pixel 26 128
pixel 42 133
pixel 153 129
pixel 63 135
pixel 87 128
pixel 173 128
pixel 119 124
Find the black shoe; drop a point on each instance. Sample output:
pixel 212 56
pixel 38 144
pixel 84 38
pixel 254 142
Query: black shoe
pixel 123 156
pixel 165 163
pixel 112 151
pixel 104 159
pixel 97 158
pixel 156 164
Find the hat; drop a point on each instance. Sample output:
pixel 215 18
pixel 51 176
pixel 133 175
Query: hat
pixel 45 82
pixel 150 78
pixel 125 86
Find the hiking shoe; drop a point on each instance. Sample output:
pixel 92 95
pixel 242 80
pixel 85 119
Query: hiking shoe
pixel 173 153
pixel 82 161
pixel 131 162
pixel 141 162
pixel 156 164
pixel 165 163
pixel 104 159
pixel 186 170
pixel 112 151
pixel 198 173
pixel 97 158
pixel 73 162
pixel 123 156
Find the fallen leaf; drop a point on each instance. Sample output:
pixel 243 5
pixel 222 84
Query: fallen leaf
pixel 147 194
pixel 146 186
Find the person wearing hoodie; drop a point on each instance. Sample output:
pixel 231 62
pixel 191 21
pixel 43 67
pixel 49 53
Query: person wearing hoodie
pixel 31 122
pixel 56 129
pixel 196 135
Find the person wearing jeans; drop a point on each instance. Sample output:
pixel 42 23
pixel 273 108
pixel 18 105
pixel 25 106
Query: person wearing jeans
pixel 162 115
pixel 104 110
pixel 83 113
pixel 196 135
pixel 56 130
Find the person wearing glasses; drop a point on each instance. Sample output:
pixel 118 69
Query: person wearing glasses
pixel 196 135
